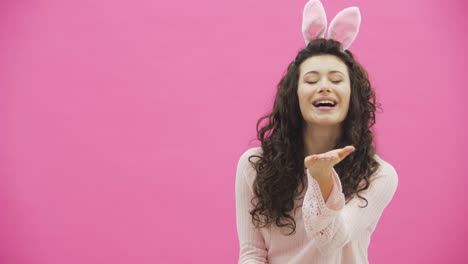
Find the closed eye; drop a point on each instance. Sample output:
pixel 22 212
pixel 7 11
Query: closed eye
pixel 334 82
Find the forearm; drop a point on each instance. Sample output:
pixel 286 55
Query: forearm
pixel 334 224
pixel 325 181
pixel 321 208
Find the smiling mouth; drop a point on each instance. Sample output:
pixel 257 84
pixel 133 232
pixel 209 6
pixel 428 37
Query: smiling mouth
pixel 326 105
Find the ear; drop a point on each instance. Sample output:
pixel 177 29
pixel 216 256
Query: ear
pixel 345 26
pixel 314 21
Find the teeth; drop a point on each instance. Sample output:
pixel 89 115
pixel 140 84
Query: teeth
pixel 324 102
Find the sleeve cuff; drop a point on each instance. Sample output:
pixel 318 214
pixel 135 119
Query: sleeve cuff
pixel 336 199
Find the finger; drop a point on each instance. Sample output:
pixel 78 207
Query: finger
pixel 310 160
pixel 326 158
pixel 330 156
pixel 346 151
pixel 333 159
pixel 351 148
pixel 318 160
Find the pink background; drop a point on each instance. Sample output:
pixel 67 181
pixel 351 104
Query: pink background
pixel 122 123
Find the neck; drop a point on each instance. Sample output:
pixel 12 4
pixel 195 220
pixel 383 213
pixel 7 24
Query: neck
pixel 320 139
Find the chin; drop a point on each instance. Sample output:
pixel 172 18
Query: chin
pixel 324 122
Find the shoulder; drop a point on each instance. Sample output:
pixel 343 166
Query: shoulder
pixel 251 151
pixel 385 167
pixel 386 171
pixel 245 168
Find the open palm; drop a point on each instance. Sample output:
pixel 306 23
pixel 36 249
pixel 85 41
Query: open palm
pixel 321 164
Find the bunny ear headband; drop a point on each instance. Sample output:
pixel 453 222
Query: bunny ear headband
pixel 343 28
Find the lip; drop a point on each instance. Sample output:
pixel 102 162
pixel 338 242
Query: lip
pixel 325 108
pixel 325 98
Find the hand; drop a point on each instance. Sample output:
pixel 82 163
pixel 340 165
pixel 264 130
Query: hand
pixel 320 165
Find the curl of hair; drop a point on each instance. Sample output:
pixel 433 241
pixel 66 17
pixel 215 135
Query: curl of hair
pixel 280 168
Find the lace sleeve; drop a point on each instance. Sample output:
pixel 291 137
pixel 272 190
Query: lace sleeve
pixel 332 223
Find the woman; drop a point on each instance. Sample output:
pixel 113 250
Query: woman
pixel 315 189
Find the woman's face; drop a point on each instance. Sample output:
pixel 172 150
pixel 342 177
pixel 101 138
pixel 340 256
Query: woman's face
pixel 324 90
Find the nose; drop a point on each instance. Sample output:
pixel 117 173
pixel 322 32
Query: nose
pixel 324 86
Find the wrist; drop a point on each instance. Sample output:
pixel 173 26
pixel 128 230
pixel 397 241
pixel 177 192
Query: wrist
pixel 321 174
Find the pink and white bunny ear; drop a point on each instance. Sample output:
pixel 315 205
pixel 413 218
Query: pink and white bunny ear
pixel 314 21
pixel 345 26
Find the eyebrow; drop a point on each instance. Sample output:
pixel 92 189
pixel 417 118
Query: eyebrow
pixel 316 72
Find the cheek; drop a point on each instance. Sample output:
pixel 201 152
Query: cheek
pixel 347 100
pixel 302 102
pixel 347 94
pixel 346 97
pixel 305 92
pixel 302 96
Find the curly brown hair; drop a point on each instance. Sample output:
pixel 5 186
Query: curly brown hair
pixel 280 168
